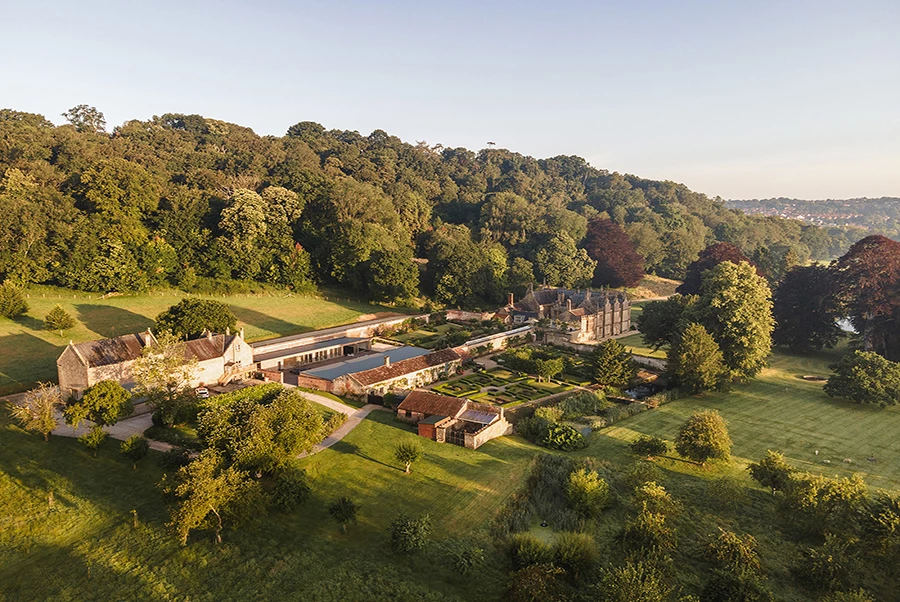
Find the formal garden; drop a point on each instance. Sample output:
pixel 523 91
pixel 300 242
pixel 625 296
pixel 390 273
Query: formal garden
pixel 502 387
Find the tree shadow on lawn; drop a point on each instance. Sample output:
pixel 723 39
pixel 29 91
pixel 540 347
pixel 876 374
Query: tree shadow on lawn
pixel 344 447
pixel 268 323
pixel 27 321
pixel 109 321
pixel 26 359
pixel 72 473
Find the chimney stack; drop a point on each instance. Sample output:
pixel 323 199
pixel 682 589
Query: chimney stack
pixel 568 304
pixel 387 360
pixel 510 301
pixel 242 332
pixel 228 330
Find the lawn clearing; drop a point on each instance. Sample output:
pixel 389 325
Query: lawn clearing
pixel 28 352
pixel 781 411
pixel 636 345
pixel 86 547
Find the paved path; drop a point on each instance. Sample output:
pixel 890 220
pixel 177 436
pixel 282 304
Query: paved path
pixel 122 430
pixel 354 417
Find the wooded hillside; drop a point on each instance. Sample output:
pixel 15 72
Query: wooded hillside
pixel 199 203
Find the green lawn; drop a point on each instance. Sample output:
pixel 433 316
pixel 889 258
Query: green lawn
pixel 28 352
pixel 635 345
pixel 781 411
pixel 87 549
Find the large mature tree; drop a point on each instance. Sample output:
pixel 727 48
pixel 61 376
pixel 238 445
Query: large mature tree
pixel 865 377
pixel 703 437
pixel 869 279
pixel 86 119
pixel 709 258
pixel 806 309
pixel 393 275
pixel 188 318
pixel 261 428
pixel 120 194
pixel 37 412
pixel 660 322
pixel 104 404
pixel 560 263
pixel 612 364
pixel 163 375
pixel 209 494
pixel 618 263
pixel 735 307
pixel 695 361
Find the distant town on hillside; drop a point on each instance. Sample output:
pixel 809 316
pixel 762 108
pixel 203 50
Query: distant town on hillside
pixel 874 215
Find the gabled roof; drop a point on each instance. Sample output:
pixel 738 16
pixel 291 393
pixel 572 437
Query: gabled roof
pixel 416 364
pixel 106 352
pixel 208 347
pixel 424 402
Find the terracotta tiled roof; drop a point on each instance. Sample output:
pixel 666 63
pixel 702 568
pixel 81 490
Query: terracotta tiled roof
pixel 427 403
pixel 415 364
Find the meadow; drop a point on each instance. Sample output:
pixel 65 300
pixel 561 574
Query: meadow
pixel 28 352
pixel 779 410
pixel 87 548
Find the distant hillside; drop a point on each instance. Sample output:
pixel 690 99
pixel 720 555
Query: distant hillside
pixel 879 216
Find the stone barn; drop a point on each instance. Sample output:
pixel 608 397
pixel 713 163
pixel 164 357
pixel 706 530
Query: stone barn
pixel 220 357
pixel 448 419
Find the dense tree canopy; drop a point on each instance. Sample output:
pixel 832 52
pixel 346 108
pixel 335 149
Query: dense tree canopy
pixel 709 258
pixel 865 377
pixel 194 202
pixel 806 309
pixel 868 276
pixel 695 361
pixel 618 263
pixel 735 307
pixel 188 318
pixel 704 436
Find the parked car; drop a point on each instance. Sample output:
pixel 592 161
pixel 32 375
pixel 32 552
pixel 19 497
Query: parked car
pixel 202 392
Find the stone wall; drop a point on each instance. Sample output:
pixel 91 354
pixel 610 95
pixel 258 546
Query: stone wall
pixel 498 429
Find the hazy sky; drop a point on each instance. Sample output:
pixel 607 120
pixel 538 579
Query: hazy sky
pixel 739 99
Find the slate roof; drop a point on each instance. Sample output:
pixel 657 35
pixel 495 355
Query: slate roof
pixel 107 352
pixel 128 347
pixel 383 373
pixel 207 348
pixel 424 402
pixel 590 301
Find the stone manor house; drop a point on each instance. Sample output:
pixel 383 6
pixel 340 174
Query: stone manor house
pixel 587 316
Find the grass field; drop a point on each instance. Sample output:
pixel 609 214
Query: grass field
pixel 28 352
pixel 635 345
pixel 781 411
pixel 87 549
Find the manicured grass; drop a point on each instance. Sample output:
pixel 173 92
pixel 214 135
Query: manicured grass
pixel 86 548
pixel 781 411
pixel 28 352
pixel 635 345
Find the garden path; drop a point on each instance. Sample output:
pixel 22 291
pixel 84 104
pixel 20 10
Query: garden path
pixel 354 417
pixel 122 430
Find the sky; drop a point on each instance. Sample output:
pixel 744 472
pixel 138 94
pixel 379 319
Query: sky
pixel 750 99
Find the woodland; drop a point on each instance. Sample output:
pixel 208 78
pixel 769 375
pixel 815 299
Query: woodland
pixel 209 206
